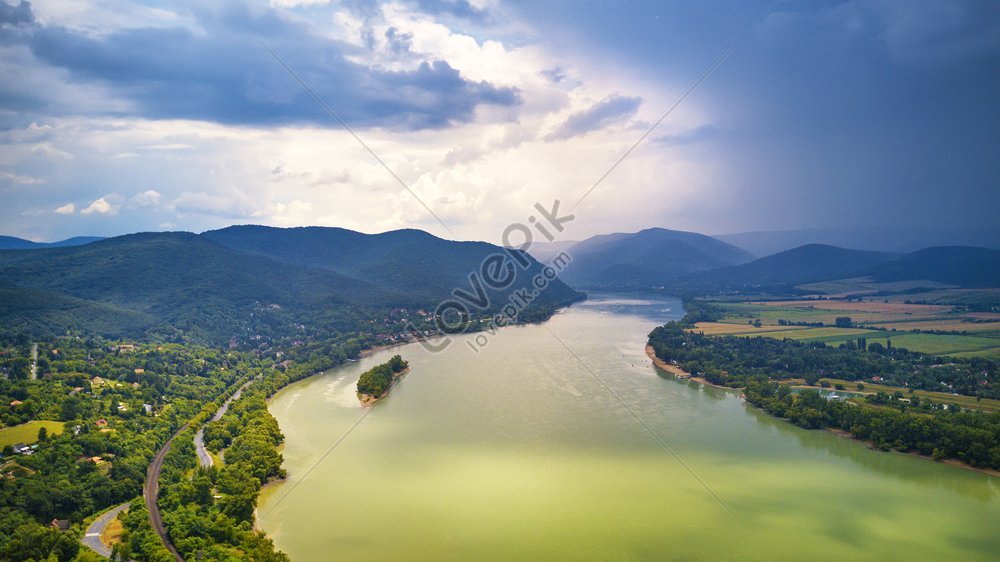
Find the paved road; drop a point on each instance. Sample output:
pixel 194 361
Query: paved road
pixel 152 487
pixel 92 538
pixel 199 438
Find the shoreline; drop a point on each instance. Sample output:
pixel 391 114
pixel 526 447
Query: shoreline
pixel 674 369
pixel 681 373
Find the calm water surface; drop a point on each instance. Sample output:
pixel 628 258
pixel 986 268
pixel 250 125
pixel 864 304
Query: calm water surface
pixel 518 453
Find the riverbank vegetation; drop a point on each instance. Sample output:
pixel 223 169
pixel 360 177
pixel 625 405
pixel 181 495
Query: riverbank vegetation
pixel 890 421
pixel 211 512
pixel 375 382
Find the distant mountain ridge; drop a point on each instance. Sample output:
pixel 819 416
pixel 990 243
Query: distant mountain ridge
pixel 956 265
pixel 404 261
pixel 959 266
pixel 805 264
pixel 896 239
pixel 14 243
pixel 205 288
pixel 648 257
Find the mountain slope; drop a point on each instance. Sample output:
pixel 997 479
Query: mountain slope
pixel 805 264
pixel 649 257
pixel 406 261
pixel 182 284
pixel 956 265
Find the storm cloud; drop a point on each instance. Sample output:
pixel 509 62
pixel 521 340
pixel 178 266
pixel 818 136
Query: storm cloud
pixel 221 71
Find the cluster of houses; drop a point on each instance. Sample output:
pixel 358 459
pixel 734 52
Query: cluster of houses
pixel 22 449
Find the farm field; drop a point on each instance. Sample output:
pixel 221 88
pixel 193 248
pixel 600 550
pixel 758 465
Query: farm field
pixel 719 328
pixel 27 433
pixel 865 286
pixel 971 334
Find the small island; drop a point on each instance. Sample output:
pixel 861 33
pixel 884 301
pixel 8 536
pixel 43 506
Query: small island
pixel 376 382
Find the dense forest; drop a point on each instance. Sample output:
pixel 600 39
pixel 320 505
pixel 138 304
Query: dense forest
pixel 375 382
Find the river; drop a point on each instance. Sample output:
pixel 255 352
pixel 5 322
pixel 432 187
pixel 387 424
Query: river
pixel 518 452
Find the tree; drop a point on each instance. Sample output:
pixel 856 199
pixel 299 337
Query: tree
pixel 70 409
pixel 843 322
pixel 43 433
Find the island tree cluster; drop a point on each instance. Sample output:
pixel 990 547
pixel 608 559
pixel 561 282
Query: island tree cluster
pixel 377 380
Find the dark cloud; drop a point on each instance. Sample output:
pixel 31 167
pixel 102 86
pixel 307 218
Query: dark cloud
pixel 554 75
pixel 224 74
pixel 828 113
pixel 16 15
pixel 609 110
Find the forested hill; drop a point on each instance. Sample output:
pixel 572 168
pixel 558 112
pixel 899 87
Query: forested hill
pixel 186 286
pixel 409 261
pixel 648 257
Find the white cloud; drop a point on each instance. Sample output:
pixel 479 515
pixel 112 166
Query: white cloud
pixel 149 198
pixel 18 179
pixel 100 206
pixel 67 209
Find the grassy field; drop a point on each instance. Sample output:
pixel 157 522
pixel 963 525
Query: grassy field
pixel 27 433
pixel 970 334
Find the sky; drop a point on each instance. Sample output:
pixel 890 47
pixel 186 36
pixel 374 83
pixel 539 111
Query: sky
pixel 120 116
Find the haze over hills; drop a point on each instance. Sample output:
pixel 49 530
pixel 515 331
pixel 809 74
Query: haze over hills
pixel 897 239
pixel 805 264
pixel 647 257
pixel 14 243
pixel 190 286
pixel 955 265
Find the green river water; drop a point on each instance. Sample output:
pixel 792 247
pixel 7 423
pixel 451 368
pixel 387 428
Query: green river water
pixel 518 453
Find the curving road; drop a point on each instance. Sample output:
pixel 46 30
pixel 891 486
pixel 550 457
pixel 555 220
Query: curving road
pixel 92 538
pixel 199 438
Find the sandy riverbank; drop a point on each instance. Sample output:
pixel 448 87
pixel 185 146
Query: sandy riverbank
pixel 680 372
